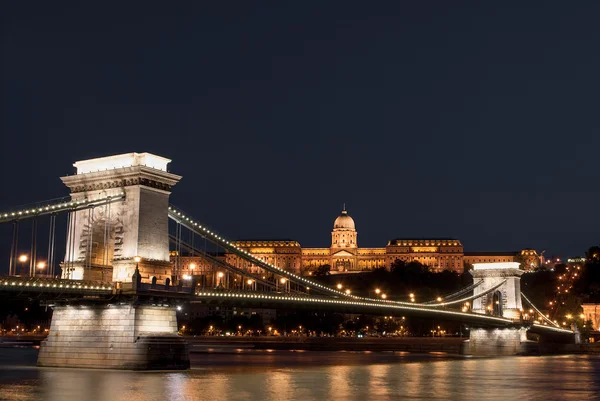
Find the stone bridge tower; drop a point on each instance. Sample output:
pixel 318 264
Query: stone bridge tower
pixel 506 300
pixel 102 242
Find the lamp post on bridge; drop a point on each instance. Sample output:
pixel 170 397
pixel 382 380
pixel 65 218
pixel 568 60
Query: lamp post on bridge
pixel 22 260
pixel 136 278
pixel 41 266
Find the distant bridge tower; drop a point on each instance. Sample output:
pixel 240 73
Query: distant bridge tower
pixel 102 242
pixel 504 301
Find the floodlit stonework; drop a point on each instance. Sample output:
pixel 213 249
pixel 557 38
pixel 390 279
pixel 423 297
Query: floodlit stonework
pixel 505 301
pixel 496 341
pixel 103 241
pixel 115 337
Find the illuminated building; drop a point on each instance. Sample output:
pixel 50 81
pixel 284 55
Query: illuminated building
pixel 345 256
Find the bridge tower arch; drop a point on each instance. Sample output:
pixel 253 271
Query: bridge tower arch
pixel 505 301
pixel 102 242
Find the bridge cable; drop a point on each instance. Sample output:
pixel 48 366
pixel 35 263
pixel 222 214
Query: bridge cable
pixel 72 241
pixel 190 224
pixel 227 266
pixel 458 293
pixel 33 251
pixel 467 299
pixel 14 249
pixel 538 311
pixel 51 234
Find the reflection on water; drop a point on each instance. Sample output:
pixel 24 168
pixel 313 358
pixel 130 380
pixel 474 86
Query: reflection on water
pixel 283 375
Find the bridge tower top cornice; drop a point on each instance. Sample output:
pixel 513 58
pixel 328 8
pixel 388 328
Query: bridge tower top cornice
pixel 121 177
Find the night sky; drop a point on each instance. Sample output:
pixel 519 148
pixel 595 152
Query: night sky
pixel 476 121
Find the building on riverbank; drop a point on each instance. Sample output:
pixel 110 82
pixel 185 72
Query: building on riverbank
pixel 345 256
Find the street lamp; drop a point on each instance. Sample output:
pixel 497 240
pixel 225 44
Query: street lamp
pixel 339 286
pixel 377 291
pixel 41 266
pixel 383 296
pixel 192 266
pixel 22 259
pixel 347 292
pixel 137 262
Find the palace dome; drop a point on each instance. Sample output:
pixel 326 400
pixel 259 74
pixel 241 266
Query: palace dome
pixel 344 222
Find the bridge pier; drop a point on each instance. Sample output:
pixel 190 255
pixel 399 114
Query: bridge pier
pixel 497 341
pixel 114 336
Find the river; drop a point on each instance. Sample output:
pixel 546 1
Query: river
pixel 287 375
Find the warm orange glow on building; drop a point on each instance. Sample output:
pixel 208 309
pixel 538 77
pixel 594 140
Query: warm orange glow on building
pixel 344 255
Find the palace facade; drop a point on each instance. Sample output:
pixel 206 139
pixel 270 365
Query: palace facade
pixel 345 256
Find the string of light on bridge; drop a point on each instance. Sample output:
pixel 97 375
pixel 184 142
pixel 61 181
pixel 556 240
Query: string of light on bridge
pixel 12 283
pixel 308 283
pixel 61 206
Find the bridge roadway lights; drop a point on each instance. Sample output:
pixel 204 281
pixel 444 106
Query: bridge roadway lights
pixel 114 336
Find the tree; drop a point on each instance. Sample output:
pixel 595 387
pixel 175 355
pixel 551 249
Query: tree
pixel 519 258
pixel 323 270
pixel 593 255
pixel 397 266
pixel 467 267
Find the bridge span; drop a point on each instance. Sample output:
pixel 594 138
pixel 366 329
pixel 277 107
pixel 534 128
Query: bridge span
pixel 115 296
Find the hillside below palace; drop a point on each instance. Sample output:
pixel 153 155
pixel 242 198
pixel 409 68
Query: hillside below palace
pixel 345 256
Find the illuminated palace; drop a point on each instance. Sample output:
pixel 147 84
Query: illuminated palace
pixel 345 256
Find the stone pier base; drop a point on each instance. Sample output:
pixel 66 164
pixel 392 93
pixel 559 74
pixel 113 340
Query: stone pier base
pixel 496 342
pixel 114 337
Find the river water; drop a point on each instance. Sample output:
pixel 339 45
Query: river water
pixel 287 375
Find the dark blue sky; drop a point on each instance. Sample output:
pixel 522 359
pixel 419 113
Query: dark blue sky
pixel 474 120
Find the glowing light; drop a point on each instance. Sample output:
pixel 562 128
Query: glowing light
pixel 41 265
pixel 377 291
pixel 137 259
pixel 192 266
pixel 339 286
pixel 220 274
pixel 495 266
pixel 23 258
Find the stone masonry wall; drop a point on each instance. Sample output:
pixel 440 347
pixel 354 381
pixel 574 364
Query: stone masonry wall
pixel 114 336
pixel 496 341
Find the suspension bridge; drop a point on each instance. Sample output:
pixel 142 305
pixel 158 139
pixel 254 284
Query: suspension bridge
pixel 114 293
